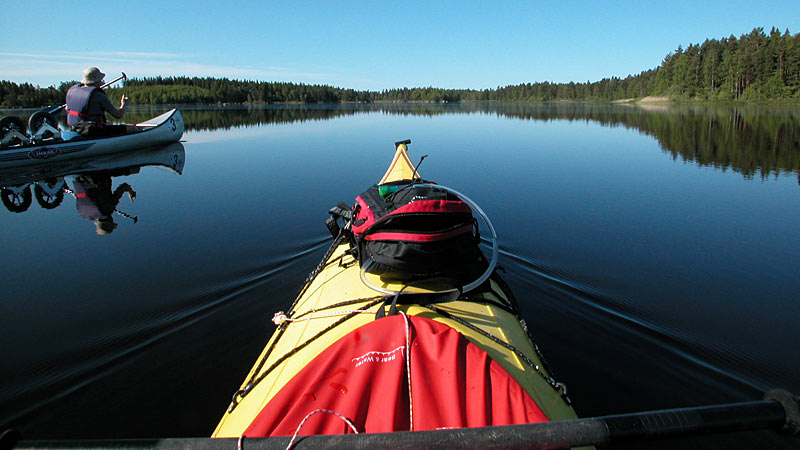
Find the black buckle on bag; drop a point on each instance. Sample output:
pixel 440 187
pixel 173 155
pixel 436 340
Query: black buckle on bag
pixel 333 226
pixel 341 210
pixel 381 313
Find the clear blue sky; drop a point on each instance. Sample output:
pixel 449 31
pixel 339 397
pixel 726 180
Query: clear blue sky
pixel 369 45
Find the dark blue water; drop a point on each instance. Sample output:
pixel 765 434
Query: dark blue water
pixel 655 254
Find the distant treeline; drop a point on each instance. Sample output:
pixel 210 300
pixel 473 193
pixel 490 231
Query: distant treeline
pixel 26 95
pixel 756 66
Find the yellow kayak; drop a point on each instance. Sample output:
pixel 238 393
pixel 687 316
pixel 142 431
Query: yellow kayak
pixel 362 352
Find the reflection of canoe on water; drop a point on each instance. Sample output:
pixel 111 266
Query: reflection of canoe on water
pixel 160 130
pixel 48 178
pixel 171 157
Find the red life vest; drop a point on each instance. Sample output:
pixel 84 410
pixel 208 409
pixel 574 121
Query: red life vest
pixel 87 207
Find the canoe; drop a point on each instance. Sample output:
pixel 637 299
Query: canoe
pixel 336 365
pixel 163 129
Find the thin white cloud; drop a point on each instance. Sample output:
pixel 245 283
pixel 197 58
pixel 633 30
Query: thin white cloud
pixel 47 69
pixel 91 54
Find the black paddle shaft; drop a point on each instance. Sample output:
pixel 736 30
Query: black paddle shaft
pixel 779 412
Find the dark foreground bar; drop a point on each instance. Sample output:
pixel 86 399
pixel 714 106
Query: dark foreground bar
pixel 779 413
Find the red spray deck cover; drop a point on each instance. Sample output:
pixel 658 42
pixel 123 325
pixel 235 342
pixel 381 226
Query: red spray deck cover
pixel 363 377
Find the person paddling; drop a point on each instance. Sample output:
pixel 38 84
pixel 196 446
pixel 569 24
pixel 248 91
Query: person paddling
pixel 87 105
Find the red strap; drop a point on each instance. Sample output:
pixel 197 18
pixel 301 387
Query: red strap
pixel 414 237
pixel 85 116
pixel 434 206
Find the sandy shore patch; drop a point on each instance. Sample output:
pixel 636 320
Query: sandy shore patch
pixel 653 99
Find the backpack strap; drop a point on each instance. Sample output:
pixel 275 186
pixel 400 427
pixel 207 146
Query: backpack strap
pixel 341 210
pixel 417 299
pixel 392 308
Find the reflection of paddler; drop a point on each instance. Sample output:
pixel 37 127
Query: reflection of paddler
pixel 95 200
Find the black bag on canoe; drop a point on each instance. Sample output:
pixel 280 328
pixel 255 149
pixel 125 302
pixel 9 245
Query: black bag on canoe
pixel 410 231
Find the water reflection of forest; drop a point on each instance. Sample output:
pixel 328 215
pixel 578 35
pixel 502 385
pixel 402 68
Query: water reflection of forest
pixel 751 140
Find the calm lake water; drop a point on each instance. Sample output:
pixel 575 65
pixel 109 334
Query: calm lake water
pixel 655 253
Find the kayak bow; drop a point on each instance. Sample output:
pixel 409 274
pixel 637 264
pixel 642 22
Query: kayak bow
pixel 332 367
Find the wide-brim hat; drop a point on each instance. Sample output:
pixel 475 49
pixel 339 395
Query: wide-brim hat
pixel 105 225
pixel 92 75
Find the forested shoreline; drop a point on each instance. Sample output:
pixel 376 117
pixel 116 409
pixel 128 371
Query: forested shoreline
pixel 754 67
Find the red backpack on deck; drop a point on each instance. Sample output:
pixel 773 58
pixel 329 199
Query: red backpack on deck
pixel 408 231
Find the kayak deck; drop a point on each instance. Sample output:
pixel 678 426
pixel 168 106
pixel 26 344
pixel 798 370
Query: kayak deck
pixel 336 302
